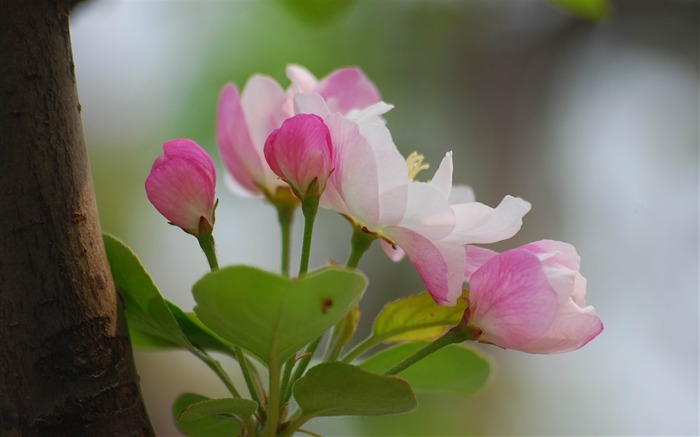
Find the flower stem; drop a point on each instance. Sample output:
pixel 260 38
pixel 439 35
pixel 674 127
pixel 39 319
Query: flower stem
pixel 285 216
pixel 206 242
pixel 309 206
pixel 457 334
pixel 361 241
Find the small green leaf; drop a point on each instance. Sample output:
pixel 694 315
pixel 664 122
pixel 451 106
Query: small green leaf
pixel 146 310
pixel 273 316
pixel 594 10
pixel 452 369
pixel 215 407
pixel 199 416
pixel 339 389
pixel 416 318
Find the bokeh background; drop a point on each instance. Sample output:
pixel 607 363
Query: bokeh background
pixel 595 123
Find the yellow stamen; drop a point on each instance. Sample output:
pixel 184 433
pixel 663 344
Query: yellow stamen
pixel 415 165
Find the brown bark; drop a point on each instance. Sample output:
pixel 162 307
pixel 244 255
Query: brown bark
pixel 66 366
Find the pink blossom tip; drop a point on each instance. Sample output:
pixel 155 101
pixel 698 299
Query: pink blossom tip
pixel 181 186
pixel 300 153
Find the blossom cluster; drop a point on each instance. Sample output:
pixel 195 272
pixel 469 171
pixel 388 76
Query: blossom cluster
pixel 327 140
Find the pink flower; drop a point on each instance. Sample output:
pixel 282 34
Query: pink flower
pixel 181 185
pixel 245 121
pixel 371 187
pixel 531 298
pixel 344 90
pixel 300 153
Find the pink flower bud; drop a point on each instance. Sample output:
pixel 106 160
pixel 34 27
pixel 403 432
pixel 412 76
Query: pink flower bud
pixel 300 153
pixel 530 298
pixel 182 184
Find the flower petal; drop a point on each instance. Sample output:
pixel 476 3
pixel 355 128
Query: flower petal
pixel 347 89
pixel 476 257
pixel 439 265
pixel 442 180
pixel 478 223
pixel 573 328
pixel 263 102
pixel 240 157
pixel 181 184
pixel 303 81
pixel 510 299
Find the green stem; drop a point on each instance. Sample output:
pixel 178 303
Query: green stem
pixel 286 378
pixel 206 242
pixel 309 206
pixel 339 337
pixel 295 425
pixel 285 216
pixel 361 241
pixel 273 401
pixel 216 367
pixel 250 383
pixel 457 334
pixel 301 367
pixel 358 350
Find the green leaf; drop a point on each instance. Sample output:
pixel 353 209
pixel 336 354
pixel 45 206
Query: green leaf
pixel 452 369
pixel 196 415
pixel 594 10
pixel 416 318
pixel 216 407
pixel 197 333
pixel 146 310
pixel 273 316
pixel 339 389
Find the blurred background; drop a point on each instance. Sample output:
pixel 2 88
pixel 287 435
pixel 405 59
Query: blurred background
pixel 596 123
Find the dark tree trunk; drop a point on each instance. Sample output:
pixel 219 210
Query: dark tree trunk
pixel 66 366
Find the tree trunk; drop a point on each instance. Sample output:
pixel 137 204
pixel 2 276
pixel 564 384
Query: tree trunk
pixel 66 366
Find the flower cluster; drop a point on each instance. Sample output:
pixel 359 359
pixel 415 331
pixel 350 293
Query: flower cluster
pixel 327 140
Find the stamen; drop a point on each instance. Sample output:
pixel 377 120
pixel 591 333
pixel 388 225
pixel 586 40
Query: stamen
pixel 415 165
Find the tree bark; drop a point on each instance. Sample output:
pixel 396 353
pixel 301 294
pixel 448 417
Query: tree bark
pixel 66 366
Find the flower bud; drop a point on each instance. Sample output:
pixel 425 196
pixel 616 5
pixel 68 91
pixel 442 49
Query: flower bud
pixel 181 186
pixel 531 298
pixel 300 153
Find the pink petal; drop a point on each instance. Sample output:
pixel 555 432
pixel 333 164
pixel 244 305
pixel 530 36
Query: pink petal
pixel 300 152
pixel 555 253
pixel 442 180
pixel 352 189
pixel 181 184
pixel 394 254
pixel 427 212
pixel 476 257
pixel 303 81
pixel 347 89
pixel 510 299
pixel 478 223
pixel 439 265
pixel 571 330
pixel 310 104
pixel 263 101
pixel 236 148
